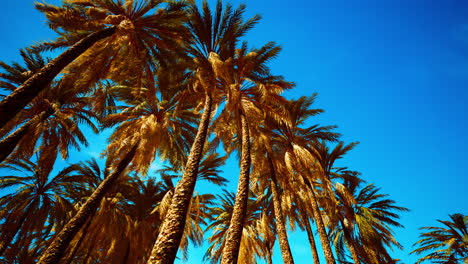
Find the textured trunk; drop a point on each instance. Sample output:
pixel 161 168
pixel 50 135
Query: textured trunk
pixel 57 248
pixel 234 233
pixel 310 235
pixel 78 243
pixel 351 244
pixel 320 225
pixel 11 235
pixel 127 253
pixel 9 143
pixel 269 259
pixel 279 217
pixel 22 95
pixel 165 248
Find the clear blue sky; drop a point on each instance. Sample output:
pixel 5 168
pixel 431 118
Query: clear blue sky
pixel 391 74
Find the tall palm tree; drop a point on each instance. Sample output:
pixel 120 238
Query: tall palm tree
pixel 365 219
pixel 266 169
pixel 39 201
pixel 327 158
pixel 218 32
pixel 109 33
pixel 256 227
pixel 294 142
pixel 162 125
pixel 249 89
pixel 52 122
pixel 58 246
pixel 447 244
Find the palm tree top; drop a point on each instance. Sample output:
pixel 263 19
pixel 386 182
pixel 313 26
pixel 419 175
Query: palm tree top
pixel 447 244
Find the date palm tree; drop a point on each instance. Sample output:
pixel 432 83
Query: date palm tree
pixel 256 227
pixel 294 141
pixel 51 124
pixel 447 244
pixel 365 219
pixel 38 205
pixel 266 169
pixel 327 158
pixel 108 34
pixel 58 246
pixel 216 31
pixel 249 89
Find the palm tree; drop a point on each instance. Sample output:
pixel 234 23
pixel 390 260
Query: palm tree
pixel 365 219
pixel 294 142
pixel 217 32
pixel 256 227
pixel 39 204
pixel 266 169
pixel 156 119
pixel 447 244
pixel 53 120
pixel 56 249
pixel 249 89
pixel 121 29
pixel 327 158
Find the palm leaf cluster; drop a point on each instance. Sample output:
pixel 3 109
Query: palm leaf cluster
pixel 175 85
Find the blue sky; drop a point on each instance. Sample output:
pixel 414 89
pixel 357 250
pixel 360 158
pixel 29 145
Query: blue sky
pixel 391 74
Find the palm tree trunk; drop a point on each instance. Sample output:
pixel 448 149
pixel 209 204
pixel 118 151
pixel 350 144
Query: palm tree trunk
pixel 165 248
pixel 11 235
pixel 320 225
pixel 310 235
pixel 78 243
pixel 57 248
pixel 26 92
pixel 269 259
pixel 9 143
pixel 234 233
pixel 127 253
pixel 279 217
pixel 351 244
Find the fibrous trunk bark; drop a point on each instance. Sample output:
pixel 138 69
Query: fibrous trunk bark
pixel 75 248
pixel 310 235
pixel 320 225
pixel 9 143
pixel 234 232
pixel 351 244
pixel 57 248
pixel 279 217
pixel 165 248
pixel 25 93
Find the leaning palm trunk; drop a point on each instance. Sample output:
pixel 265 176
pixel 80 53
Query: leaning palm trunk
pixel 320 225
pixel 165 249
pixel 279 217
pixel 234 232
pixel 9 143
pixel 21 96
pixel 75 248
pixel 57 248
pixel 351 243
pixel 310 235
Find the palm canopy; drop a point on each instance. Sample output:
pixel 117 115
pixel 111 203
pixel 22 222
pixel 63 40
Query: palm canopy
pixel 256 229
pixel 152 115
pixel 216 31
pixel 247 89
pixel 108 39
pixel 39 205
pixel 50 120
pixel 368 215
pixel 447 244
pixel 146 29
